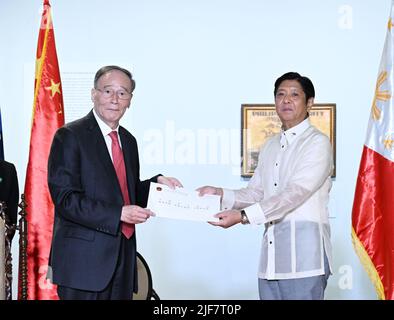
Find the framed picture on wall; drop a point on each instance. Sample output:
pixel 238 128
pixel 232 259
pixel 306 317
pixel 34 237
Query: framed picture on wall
pixel 260 121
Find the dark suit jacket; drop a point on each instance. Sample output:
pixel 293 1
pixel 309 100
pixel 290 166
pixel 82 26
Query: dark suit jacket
pixel 88 203
pixel 9 190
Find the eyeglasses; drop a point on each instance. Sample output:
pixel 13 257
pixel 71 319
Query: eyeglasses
pixel 109 93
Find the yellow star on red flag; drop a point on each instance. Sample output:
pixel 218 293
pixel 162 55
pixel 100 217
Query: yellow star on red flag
pixel 54 87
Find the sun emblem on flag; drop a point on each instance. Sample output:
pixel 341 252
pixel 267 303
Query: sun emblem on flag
pixel 381 95
pixel 390 24
pixel 388 141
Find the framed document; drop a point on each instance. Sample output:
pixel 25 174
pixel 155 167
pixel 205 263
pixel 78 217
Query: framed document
pixel 260 121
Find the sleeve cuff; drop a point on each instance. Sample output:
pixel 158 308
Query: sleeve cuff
pixel 154 179
pixel 228 199
pixel 255 214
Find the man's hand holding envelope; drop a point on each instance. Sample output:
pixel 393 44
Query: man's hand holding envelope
pixel 182 204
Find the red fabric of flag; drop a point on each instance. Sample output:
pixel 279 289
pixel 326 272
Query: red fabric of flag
pixel 47 117
pixel 373 207
pixel 373 221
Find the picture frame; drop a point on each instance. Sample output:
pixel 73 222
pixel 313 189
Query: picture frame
pixel 260 122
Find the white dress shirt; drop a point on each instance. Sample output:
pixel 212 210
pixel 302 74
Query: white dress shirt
pixel 289 194
pixel 106 130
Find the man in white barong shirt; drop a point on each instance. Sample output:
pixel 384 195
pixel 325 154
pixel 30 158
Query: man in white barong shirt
pixel 289 193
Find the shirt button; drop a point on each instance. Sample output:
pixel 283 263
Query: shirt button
pixel 275 184
pixel 283 146
pixel 276 164
pixel 270 242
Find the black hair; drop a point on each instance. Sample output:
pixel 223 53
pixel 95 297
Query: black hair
pixel 306 83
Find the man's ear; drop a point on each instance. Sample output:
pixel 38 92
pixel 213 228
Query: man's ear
pixel 310 104
pixel 93 94
pixel 130 101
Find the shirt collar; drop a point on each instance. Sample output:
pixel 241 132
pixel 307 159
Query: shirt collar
pixel 291 134
pixel 105 129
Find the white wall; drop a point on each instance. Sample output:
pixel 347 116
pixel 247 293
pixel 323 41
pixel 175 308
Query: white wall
pixel 195 63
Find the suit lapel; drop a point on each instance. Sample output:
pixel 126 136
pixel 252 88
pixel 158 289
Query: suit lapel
pixel 101 151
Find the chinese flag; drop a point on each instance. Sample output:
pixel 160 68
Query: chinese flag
pixel 373 207
pixel 48 116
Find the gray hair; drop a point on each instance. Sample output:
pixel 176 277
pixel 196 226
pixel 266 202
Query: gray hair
pixel 102 71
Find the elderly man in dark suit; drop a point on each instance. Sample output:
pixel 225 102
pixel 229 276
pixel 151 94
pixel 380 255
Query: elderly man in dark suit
pixel 94 181
pixel 9 191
